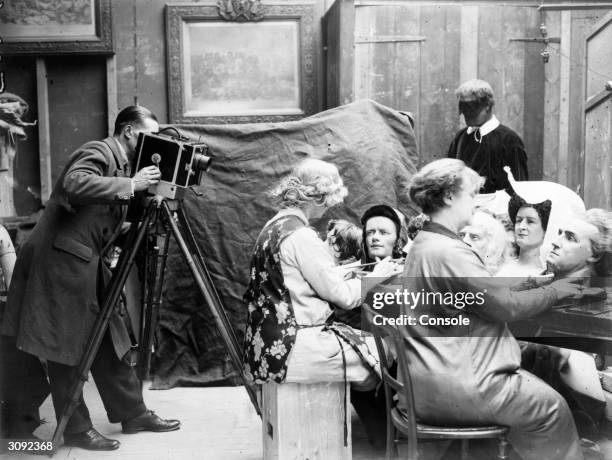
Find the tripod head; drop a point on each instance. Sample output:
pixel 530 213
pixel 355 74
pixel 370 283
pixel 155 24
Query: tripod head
pixel 181 163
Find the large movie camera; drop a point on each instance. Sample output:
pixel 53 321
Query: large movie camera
pixel 181 163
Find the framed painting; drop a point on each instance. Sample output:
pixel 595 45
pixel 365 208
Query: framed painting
pixel 54 27
pixel 222 71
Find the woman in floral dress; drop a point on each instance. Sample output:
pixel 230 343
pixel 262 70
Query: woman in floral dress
pixel 293 281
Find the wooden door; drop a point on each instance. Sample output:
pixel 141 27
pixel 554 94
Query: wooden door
pixel 598 116
pixel 412 55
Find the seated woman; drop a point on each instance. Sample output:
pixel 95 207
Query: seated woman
pixel 472 374
pixel 293 281
pixel 530 224
pixel 486 235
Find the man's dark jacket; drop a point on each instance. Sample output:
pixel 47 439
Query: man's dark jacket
pixel 61 271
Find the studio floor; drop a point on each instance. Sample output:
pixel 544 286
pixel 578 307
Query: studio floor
pixel 218 423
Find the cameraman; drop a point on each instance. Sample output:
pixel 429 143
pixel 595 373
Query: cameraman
pixel 59 283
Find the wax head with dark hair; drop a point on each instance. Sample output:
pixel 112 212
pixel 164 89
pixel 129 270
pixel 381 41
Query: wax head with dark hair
pixel 132 115
pixel 543 209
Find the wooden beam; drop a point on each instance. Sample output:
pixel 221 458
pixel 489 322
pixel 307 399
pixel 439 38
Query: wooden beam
pixel 388 38
pixel 564 97
pixel 469 43
pixel 574 6
pixel 552 96
pixel 111 92
pixel 44 131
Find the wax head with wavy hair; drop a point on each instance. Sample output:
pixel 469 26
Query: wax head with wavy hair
pixel 344 238
pixel 487 236
pixel 543 209
pixel 311 181
pixel 436 180
pixel 601 243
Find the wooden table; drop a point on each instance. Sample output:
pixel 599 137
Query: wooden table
pixel 580 325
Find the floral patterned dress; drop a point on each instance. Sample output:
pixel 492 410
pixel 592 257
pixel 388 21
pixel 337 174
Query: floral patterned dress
pixel 271 326
pixel 282 335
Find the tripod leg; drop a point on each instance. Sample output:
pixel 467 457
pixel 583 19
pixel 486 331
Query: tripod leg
pixel 154 294
pixel 126 259
pixel 212 300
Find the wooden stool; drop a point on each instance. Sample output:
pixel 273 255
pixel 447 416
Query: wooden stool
pixel 306 421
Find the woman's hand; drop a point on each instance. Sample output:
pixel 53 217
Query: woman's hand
pixel 385 268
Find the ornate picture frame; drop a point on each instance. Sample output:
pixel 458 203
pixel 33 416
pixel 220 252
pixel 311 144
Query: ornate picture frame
pixel 240 62
pixel 42 27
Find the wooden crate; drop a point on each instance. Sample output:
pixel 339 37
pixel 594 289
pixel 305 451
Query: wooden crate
pixel 306 421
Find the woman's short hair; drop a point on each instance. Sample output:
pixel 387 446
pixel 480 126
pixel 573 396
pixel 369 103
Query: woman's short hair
pixel 440 178
pixel 132 115
pixel 346 239
pixel 311 181
pixel 543 209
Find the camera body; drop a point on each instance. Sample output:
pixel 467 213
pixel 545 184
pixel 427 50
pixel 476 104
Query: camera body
pixel 181 163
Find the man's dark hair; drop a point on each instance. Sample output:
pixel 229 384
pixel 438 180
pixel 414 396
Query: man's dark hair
pixel 132 115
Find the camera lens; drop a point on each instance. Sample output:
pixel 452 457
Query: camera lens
pixel 201 162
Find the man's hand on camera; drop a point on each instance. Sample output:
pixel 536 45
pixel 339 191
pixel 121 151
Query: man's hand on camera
pixel 146 177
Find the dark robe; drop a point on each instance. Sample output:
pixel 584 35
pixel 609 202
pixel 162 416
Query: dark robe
pixel 501 147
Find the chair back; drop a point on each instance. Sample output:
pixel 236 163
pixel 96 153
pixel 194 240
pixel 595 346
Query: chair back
pixel 384 336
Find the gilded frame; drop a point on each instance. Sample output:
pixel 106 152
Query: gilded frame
pixel 23 36
pixel 217 96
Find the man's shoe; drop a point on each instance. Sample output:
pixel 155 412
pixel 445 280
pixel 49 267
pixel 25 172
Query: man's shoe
pixel 90 440
pixel 149 422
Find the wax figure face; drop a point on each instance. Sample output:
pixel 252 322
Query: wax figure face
pixel 571 249
pixel 381 234
pixel 474 113
pixel 475 237
pixel 528 229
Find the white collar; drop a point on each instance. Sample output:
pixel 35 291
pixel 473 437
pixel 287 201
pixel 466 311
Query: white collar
pixel 486 127
pixel 290 212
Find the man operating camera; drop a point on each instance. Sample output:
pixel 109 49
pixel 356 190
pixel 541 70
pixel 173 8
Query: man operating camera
pixel 58 286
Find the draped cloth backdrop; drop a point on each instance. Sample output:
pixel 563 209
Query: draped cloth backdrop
pixel 375 150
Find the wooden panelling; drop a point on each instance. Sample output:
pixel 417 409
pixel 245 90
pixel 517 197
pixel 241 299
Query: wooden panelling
pixel 564 100
pixel 582 21
pixel 552 96
pixel 468 58
pixel 439 75
pixel 598 164
pixel 501 62
pixel 533 93
pixel 77 105
pixel 338 26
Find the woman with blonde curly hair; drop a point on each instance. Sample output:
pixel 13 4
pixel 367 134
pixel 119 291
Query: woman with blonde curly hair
pixel 293 281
